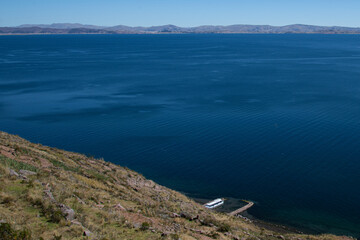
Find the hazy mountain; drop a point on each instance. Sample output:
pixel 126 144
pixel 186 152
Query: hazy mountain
pixel 77 28
pixel 39 30
pixel 62 26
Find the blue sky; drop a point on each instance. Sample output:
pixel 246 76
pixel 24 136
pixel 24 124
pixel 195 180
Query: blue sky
pixel 181 12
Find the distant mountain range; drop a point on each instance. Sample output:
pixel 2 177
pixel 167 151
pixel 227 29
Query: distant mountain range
pixel 77 28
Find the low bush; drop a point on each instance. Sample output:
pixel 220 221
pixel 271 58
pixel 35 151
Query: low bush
pixel 174 236
pixel 7 232
pixel 145 226
pixel 209 221
pixel 213 235
pixel 57 237
pixel 224 227
pixel 50 212
pixel 6 198
pixel 17 165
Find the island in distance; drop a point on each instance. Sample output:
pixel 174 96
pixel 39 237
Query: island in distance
pixel 76 28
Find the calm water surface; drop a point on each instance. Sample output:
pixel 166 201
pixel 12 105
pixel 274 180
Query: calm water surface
pixel 270 118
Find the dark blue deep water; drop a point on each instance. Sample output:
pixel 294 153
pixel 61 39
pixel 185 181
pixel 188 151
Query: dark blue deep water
pixel 270 118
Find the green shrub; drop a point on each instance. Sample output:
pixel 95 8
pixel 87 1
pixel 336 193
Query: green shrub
pixel 209 221
pixel 57 237
pixel 37 201
pixel 145 226
pixel 24 234
pixel 224 227
pixel 174 236
pixel 62 165
pixel 21 150
pixel 54 215
pixel 97 176
pixel 6 198
pixel 213 235
pixel 17 165
pixel 8 233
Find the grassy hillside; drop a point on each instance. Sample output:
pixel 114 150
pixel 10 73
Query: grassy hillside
pixel 47 193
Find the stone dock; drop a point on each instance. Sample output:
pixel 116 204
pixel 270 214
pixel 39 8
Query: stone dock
pixel 242 209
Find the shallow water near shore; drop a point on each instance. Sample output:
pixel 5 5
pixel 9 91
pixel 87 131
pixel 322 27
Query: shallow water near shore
pixel 270 118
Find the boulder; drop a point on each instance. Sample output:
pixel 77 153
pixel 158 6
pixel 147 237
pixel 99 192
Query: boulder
pixel 67 212
pixel 13 173
pixel 165 234
pixel 137 225
pixel 76 222
pixel 119 207
pixel 87 233
pixel 48 193
pixel 26 172
pixel 189 216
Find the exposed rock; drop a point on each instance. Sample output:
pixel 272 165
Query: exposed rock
pixel 76 222
pixel 233 237
pixel 164 216
pixel 139 182
pixel 7 152
pixel 45 163
pixel 13 173
pixel 68 212
pixel 79 199
pixel 26 159
pixel 137 225
pixel 7 149
pixel 48 193
pixel 188 216
pixel 177 227
pixel 149 183
pixel 106 168
pixel 175 215
pixel 165 234
pixel 26 172
pixel 87 233
pixel 197 231
pixel 119 207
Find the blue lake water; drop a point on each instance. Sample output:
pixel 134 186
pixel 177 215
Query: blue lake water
pixel 270 118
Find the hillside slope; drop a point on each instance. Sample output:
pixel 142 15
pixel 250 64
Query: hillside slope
pixel 47 193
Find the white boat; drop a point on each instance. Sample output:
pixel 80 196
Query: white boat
pixel 216 203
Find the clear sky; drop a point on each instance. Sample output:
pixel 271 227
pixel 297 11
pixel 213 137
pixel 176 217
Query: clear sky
pixel 181 12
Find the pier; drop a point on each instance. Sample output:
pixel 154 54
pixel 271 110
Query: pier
pixel 242 209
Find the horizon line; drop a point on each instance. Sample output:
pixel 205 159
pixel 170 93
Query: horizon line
pixel 169 24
